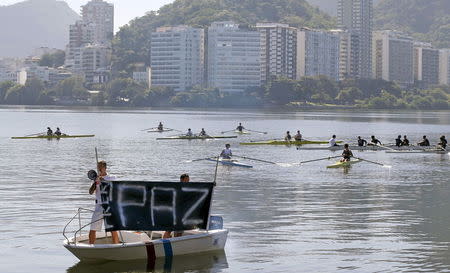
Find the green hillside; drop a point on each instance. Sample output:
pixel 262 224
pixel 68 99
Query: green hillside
pixel 427 20
pixel 132 41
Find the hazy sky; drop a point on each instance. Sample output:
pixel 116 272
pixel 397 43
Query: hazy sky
pixel 124 10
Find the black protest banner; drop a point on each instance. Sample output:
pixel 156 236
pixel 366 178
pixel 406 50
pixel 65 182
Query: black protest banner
pixel 130 205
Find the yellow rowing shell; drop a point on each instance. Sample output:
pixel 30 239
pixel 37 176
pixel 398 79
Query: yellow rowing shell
pixel 343 164
pixel 53 137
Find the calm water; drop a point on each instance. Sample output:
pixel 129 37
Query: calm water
pixel 281 219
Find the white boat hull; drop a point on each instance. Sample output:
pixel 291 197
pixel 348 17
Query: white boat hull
pixel 137 245
pixel 229 162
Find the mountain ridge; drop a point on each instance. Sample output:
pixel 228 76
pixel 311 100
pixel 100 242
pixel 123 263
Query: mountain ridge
pixel 33 24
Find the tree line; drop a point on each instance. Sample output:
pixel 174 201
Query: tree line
pixel 278 92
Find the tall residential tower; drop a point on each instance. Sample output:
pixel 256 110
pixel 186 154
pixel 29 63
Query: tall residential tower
pixel 356 16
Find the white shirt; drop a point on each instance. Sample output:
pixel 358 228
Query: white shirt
pixel 97 187
pixel 189 133
pixel 226 153
pixel 332 142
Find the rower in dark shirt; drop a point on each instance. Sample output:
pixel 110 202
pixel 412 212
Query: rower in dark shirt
pixel 398 141
pixel 361 142
pixel 288 136
pixel 346 154
pixel 374 141
pixel 240 128
pixel 405 141
pixel 424 142
pixel 443 142
pixel 49 131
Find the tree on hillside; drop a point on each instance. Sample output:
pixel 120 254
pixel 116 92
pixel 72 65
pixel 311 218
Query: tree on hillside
pixel 4 86
pixel 53 60
pixel 132 42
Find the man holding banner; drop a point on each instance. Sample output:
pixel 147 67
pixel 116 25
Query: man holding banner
pixel 97 216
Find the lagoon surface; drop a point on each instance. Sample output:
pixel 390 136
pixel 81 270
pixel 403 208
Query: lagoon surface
pixel 281 219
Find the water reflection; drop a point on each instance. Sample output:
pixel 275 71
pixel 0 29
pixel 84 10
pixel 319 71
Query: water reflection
pixel 209 262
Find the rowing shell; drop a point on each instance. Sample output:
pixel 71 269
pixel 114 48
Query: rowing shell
pixel 53 137
pixel 419 152
pixel 364 148
pixel 159 131
pixel 194 137
pixel 284 142
pixel 242 132
pixel 343 164
pixel 230 162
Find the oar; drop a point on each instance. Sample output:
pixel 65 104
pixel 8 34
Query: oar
pixel 260 160
pixel 319 159
pixel 265 133
pixel 373 162
pixel 200 159
pixel 227 131
pixel 149 128
pixel 94 184
pixel 173 129
pixel 35 134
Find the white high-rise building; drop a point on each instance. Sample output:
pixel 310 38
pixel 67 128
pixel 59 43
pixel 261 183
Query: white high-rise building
pixel 99 16
pixel 278 51
pixel 234 57
pixel 356 16
pixel 95 29
pixel 317 54
pixel 426 64
pixel 393 55
pixel 444 66
pixel 177 57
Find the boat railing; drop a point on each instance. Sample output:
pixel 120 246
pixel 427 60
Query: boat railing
pixel 80 225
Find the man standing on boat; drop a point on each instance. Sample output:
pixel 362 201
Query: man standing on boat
pixel 346 154
pixel 361 142
pixel 425 142
pixel 240 128
pixel 97 216
pixel 332 142
pixel 226 153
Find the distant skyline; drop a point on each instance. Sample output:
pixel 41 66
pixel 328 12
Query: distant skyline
pixel 124 10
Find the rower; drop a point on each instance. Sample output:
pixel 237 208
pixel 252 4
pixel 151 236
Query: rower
pixel 361 142
pixel 332 142
pixel 288 136
pixel 58 132
pixel 240 128
pixel 443 143
pixel 160 127
pixel 346 154
pixel 374 141
pixel 405 141
pixel 202 132
pixel 184 178
pixel 49 131
pixel 298 136
pixel 424 142
pixel 226 153
pixel 398 141
pixel 189 133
